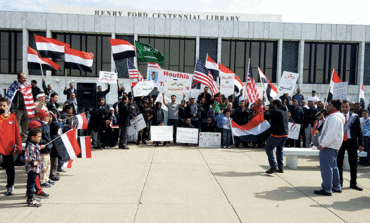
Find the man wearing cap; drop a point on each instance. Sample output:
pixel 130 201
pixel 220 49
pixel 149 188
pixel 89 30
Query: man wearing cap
pixel 40 104
pixel 314 98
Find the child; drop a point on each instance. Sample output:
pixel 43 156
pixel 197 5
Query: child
pixel 226 130
pixel 34 164
pixel 10 137
pixel 290 142
pixel 365 123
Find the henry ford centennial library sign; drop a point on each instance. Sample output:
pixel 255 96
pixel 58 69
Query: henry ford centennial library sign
pixel 165 14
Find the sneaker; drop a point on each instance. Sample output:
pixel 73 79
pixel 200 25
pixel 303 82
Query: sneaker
pixel 55 178
pixel 43 194
pixel 51 182
pixel 10 190
pixel 224 147
pixel 33 203
pixel 46 185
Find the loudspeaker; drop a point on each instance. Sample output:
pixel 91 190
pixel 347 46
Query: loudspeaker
pixel 86 96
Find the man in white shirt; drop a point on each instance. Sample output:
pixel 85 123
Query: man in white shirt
pixel 329 143
pixel 314 98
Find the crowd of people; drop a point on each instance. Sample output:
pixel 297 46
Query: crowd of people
pixel 206 112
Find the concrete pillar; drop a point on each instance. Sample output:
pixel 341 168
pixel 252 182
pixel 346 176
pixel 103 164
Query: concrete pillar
pixel 197 46
pixel 136 38
pixel 219 47
pixel 300 62
pixel 47 73
pixel 361 64
pixel 279 60
pixel 113 64
pixel 24 51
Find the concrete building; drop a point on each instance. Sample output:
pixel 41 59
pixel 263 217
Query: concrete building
pixel 312 50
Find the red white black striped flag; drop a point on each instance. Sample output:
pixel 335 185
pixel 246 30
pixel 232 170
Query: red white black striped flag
pixel 122 49
pixel 35 62
pixel 75 59
pixel 49 47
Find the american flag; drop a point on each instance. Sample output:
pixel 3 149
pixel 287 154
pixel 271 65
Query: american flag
pixel 251 89
pixel 154 65
pixel 133 72
pixel 202 75
pixel 28 100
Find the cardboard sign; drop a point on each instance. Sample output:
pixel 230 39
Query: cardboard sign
pixel 294 130
pixel 287 83
pixel 187 135
pixel 158 76
pixel 340 91
pixel 143 88
pixel 227 84
pixel 176 87
pixel 210 139
pixel 161 133
pixel 107 77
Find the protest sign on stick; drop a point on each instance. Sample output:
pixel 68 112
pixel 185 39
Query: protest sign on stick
pixel 143 88
pixel 174 87
pixel 294 130
pixel 227 84
pixel 340 90
pixel 107 77
pixel 287 83
pixel 187 135
pixel 210 139
pixel 161 133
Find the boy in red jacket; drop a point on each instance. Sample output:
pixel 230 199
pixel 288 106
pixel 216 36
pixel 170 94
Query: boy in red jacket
pixel 11 142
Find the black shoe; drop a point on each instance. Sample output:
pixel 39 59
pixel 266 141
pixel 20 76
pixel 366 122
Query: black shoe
pixel 322 192
pixel 236 146
pixel 165 143
pixel 43 194
pixel 143 142
pixel 138 142
pixel 356 187
pixel 55 178
pixel 272 170
pixel 281 170
pixel 156 144
pixel 337 191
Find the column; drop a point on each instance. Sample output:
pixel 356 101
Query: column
pixel 279 60
pixel 47 73
pixel 136 38
pixel 113 64
pixel 197 46
pixel 219 47
pixel 24 51
pixel 300 62
pixel 361 64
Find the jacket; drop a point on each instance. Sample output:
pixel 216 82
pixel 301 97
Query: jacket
pixel 69 91
pixel 297 114
pixel 356 130
pixel 332 131
pixel 124 115
pixel 279 121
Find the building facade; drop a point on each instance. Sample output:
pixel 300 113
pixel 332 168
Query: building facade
pixel 312 50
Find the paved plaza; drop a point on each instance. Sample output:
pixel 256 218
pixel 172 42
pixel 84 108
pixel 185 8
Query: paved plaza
pixel 186 184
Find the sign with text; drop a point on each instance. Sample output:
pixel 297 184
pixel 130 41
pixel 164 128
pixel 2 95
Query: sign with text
pixel 294 130
pixel 161 133
pixel 160 99
pixel 210 139
pixel 136 125
pixel 287 83
pixel 187 135
pixel 227 84
pixel 143 88
pixel 159 76
pixel 176 87
pixel 340 90
pixel 107 77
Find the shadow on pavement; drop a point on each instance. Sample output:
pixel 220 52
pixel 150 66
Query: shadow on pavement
pixel 242 174
pixel 354 204
pixel 284 193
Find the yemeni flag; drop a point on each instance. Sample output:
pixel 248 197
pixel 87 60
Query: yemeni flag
pixel 238 84
pixel 85 145
pixel 146 53
pixel 212 67
pixel 80 121
pixel 121 49
pixel 79 60
pixel 362 97
pixel 49 47
pixel 270 90
pixel 334 79
pixel 67 145
pixel 255 131
pixel 35 62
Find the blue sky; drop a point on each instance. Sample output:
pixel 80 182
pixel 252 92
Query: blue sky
pixel 313 11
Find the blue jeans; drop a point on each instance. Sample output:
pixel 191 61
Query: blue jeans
pixel 31 183
pixel 279 143
pixel 174 123
pixel 329 169
pixel 226 137
pixel 123 137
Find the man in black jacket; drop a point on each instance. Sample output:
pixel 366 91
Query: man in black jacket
pixel 70 90
pixel 298 117
pixel 124 122
pixel 352 141
pixel 240 117
pixel 35 90
pixel 279 134
pixel 309 120
pixel 101 93
pixel 207 97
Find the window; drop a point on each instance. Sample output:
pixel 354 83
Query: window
pixel 11 52
pixel 179 53
pixel 290 56
pixel 367 65
pixel 321 58
pixel 32 44
pixel 235 55
pixel 208 46
pixel 121 65
pixel 99 45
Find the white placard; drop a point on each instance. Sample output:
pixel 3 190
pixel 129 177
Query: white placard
pixel 160 99
pixel 294 130
pixel 187 135
pixel 176 87
pixel 161 133
pixel 227 84
pixel 210 139
pixel 287 83
pixel 107 77
pixel 159 76
pixel 143 88
pixel 340 91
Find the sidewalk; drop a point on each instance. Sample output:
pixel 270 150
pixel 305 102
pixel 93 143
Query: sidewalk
pixel 186 184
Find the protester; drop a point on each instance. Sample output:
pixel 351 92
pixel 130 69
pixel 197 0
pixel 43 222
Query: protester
pixel 279 134
pixel 290 142
pixel 192 111
pixel 314 98
pixel 352 141
pixel 358 109
pixel 365 123
pixel 120 90
pixel 241 118
pixel 11 143
pixel 105 131
pixel 226 131
pixel 299 96
pixel 18 106
pixel 55 132
pixel 134 112
pixel 208 126
pixel 35 90
pixel 285 99
pixel 173 114
pixel 298 117
pixel 47 90
pixel 101 93
pixel 40 104
pixel 73 101
pixel 52 103
pixel 309 119
pixel 206 96
pixel 329 143
pixel 148 115
pixel 187 124
pixel 124 122
pixel 70 90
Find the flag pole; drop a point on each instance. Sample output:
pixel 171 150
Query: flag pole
pixel 65 77
pixel 326 98
pixel 42 71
